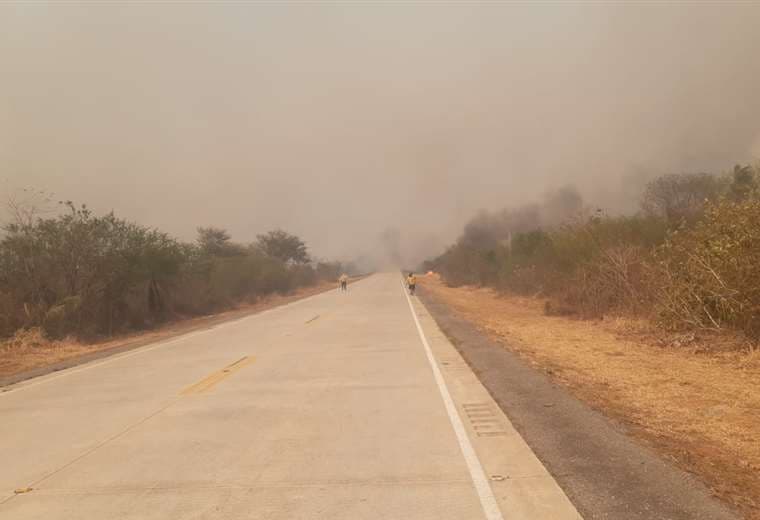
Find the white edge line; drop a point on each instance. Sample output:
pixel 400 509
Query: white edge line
pixel 478 476
pixel 41 380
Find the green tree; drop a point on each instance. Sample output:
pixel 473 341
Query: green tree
pixel 283 246
pixel 214 241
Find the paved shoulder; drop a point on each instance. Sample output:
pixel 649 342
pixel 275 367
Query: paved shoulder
pixel 517 483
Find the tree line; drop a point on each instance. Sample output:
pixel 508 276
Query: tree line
pixel 78 273
pixel 688 258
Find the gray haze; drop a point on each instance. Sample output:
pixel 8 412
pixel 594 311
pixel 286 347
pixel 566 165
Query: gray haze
pixel 341 121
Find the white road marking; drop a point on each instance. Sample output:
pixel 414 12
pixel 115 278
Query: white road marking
pixel 483 488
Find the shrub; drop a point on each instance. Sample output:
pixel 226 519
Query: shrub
pixel 708 275
pixel 83 274
pixel 691 257
pixel 588 266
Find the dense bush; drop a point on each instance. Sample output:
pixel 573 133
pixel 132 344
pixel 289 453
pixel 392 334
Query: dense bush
pixel 592 264
pixel 83 274
pixel 709 274
pixel 690 256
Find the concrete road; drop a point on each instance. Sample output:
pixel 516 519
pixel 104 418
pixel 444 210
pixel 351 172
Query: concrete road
pixel 340 406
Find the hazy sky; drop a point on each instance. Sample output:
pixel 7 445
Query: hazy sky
pixel 337 121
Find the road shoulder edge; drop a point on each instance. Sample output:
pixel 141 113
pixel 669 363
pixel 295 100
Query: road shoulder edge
pixel 603 471
pixel 523 487
pixel 207 323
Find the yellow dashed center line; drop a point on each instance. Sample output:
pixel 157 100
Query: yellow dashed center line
pixel 206 384
pixel 316 317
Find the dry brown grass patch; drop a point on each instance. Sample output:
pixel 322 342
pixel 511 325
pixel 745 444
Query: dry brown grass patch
pixel 699 405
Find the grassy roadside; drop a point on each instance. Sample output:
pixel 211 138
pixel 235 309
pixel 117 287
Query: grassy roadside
pixel 30 350
pixel 698 407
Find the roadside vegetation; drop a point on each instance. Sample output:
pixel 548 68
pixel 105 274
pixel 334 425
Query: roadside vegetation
pixel 687 260
pixel 698 405
pixel 86 276
pixel 653 318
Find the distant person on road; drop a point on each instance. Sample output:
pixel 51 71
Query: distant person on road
pixel 343 282
pixel 411 282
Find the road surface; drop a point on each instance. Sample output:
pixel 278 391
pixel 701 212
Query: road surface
pixel 339 406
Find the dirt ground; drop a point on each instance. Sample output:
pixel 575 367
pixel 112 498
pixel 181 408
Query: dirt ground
pixel 700 407
pixel 30 350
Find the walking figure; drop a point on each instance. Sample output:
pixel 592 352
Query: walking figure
pixel 343 282
pixel 411 282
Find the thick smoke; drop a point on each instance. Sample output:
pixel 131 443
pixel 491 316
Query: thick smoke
pixel 374 131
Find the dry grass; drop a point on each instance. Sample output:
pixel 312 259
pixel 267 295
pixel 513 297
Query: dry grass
pixel 30 349
pixel 700 406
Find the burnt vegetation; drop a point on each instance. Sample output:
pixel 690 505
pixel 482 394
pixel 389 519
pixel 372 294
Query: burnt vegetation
pixel 688 258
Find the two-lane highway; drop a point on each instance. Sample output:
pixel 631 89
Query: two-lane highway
pixel 340 406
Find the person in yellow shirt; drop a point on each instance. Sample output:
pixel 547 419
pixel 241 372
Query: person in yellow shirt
pixel 411 282
pixel 343 282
